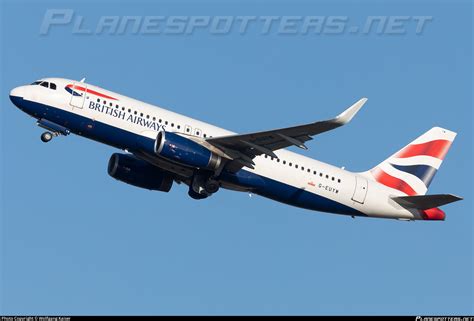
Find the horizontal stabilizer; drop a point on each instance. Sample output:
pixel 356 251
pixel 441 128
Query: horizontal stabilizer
pixel 424 202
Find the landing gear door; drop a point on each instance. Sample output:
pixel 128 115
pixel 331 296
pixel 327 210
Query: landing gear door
pixel 78 94
pixel 360 191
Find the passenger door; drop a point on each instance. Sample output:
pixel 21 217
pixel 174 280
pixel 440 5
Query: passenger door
pixel 78 95
pixel 360 190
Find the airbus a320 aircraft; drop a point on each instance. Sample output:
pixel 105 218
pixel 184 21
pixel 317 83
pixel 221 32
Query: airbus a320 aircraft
pixel 162 147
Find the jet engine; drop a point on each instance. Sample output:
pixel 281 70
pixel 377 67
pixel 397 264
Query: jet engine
pixel 137 172
pixel 185 151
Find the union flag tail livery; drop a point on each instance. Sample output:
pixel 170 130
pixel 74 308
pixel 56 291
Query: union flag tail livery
pixel 162 147
pixel 412 169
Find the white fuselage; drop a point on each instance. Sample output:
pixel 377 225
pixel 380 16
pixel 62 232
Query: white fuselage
pixel 334 185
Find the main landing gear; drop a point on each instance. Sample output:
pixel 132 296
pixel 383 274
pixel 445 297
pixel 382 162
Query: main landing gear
pixel 47 136
pixel 202 186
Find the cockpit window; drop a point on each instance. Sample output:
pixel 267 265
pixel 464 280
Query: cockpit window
pixel 46 84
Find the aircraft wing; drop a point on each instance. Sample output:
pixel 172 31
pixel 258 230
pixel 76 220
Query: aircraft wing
pixel 243 148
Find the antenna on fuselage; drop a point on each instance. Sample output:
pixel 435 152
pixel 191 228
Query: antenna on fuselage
pixel 82 80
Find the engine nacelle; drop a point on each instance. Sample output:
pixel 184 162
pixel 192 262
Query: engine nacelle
pixel 136 172
pixel 184 151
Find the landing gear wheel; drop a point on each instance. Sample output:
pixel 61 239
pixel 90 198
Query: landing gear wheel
pixel 211 186
pixel 195 195
pixel 46 137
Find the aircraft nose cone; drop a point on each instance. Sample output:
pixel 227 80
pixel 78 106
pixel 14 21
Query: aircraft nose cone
pixel 17 92
pixel 16 95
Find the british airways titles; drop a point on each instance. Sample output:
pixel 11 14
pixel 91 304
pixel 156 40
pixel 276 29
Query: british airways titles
pixel 135 119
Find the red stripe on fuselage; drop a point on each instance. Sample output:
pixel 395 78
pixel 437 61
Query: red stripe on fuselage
pixel 436 148
pixel 80 88
pixel 393 182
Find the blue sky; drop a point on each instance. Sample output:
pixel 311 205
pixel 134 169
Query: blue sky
pixel 75 241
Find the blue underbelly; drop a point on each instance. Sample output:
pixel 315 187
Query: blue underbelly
pixel 284 193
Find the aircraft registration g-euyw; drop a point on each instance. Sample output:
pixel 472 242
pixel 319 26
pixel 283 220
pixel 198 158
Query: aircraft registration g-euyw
pixel 162 147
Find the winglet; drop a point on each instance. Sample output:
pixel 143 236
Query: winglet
pixel 350 112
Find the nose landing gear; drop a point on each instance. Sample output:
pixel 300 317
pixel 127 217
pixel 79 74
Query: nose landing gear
pixel 53 130
pixel 47 136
